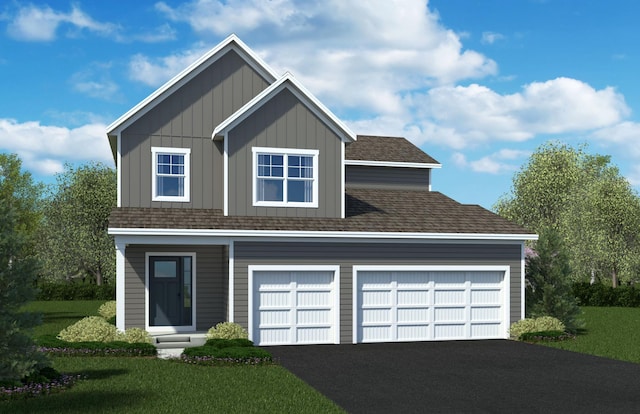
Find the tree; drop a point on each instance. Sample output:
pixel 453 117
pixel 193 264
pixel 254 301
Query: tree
pixel 76 221
pixel 23 196
pixel 584 198
pixel 548 291
pixel 18 271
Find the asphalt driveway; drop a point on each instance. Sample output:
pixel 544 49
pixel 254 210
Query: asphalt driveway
pixel 464 377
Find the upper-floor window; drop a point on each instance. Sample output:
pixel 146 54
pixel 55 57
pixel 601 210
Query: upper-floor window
pixel 285 177
pixel 171 171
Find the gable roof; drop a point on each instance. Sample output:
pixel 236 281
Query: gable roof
pixel 230 43
pixel 370 213
pixel 289 82
pixel 387 151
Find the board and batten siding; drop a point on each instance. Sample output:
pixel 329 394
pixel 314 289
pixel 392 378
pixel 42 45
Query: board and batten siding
pixel 211 283
pixel 284 122
pixel 186 119
pixel 360 176
pixel 348 255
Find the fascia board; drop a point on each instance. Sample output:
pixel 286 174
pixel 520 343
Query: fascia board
pixel 230 43
pixel 317 234
pixel 392 164
pixel 289 82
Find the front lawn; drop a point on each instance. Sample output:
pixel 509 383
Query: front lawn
pixel 150 385
pixel 611 332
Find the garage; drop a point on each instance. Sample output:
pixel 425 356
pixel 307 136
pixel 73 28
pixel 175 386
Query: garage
pixel 292 306
pixel 396 304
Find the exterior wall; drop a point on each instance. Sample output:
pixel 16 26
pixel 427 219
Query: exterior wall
pixel 358 176
pixel 186 119
pixel 211 283
pixel 284 122
pixel 348 255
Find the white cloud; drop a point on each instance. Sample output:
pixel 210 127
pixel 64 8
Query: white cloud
pixel 95 81
pixel 154 72
pixel 159 34
pixel 489 38
pixel 44 149
pixel 493 163
pixel 41 23
pixel 625 136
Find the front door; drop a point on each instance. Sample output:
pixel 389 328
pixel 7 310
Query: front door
pixel 170 293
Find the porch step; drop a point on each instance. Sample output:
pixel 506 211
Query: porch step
pixel 172 339
pixel 169 353
pixel 174 345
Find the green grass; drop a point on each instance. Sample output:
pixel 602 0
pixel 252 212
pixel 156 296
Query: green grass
pixel 150 385
pixel 610 332
pixel 58 314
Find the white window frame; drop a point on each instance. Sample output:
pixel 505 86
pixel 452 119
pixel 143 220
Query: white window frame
pixel 285 152
pixel 155 151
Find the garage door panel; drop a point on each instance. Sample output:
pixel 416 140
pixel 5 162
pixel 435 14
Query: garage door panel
pixel 275 299
pixel 313 335
pixel 430 305
pixel 275 317
pixel 376 315
pixel 412 315
pixel 275 280
pixel 270 336
pixel 313 298
pixel 313 279
pixel 314 317
pixel 449 297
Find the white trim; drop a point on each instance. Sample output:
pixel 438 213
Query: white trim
pixel 505 285
pixel 119 170
pixel 187 173
pixel 277 234
pixel 170 329
pixel 343 200
pixel 429 178
pixel 231 263
pixel 392 164
pixel 284 152
pixel 120 284
pixel 298 268
pixel 289 82
pixel 522 282
pixel 230 43
pixel 225 176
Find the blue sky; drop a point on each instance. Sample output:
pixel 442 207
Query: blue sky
pixel 478 84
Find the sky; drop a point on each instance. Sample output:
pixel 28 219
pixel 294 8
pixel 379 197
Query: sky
pixel 477 84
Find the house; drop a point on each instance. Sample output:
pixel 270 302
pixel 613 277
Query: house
pixel 242 198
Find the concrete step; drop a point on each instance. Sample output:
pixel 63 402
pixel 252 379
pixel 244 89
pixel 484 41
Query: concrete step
pixel 172 339
pixel 169 353
pixel 173 345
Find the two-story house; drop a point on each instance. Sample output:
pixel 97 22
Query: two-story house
pixel 242 198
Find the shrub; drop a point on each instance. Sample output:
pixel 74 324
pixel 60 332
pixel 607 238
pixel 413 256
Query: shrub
pixel 228 343
pixel 602 295
pixel 108 309
pixel 75 291
pixel 133 336
pixel 54 346
pixel 227 330
pixel 542 324
pixel 89 329
pixel 226 352
pixel 547 336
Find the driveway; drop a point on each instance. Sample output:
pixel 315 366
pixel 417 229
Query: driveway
pixel 464 377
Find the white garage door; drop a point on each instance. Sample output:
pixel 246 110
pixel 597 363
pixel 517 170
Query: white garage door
pixel 430 305
pixel 294 307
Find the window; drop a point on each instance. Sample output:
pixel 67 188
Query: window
pixel 170 177
pixel 285 177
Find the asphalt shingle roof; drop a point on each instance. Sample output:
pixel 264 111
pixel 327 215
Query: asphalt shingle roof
pixel 368 210
pixel 391 149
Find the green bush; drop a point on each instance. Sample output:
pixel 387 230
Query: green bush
pixel 75 291
pixel 134 335
pixel 108 309
pixel 55 346
pixel 602 295
pixel 545 336
pixel 228 343
pixel 89 329
pixel 542 324
pixel 227 330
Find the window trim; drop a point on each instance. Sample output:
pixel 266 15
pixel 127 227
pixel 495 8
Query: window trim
pixel 187 173
pixel 285 152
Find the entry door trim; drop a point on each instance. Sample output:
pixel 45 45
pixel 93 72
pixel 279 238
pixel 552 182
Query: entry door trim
pixel 170 329
pixel 506 289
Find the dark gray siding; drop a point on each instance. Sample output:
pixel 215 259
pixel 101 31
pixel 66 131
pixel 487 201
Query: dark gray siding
pixel 359 176
pixel 186 119
pixel 211 283
pixel 284 122
pixel 348 255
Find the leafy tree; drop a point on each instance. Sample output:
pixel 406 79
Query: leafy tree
pixel 585 199
pixel 23 196
pixel 548 291
pixel 18 271
pixel 76 223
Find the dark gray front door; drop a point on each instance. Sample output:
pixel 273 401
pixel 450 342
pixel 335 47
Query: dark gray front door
pixel 170 282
